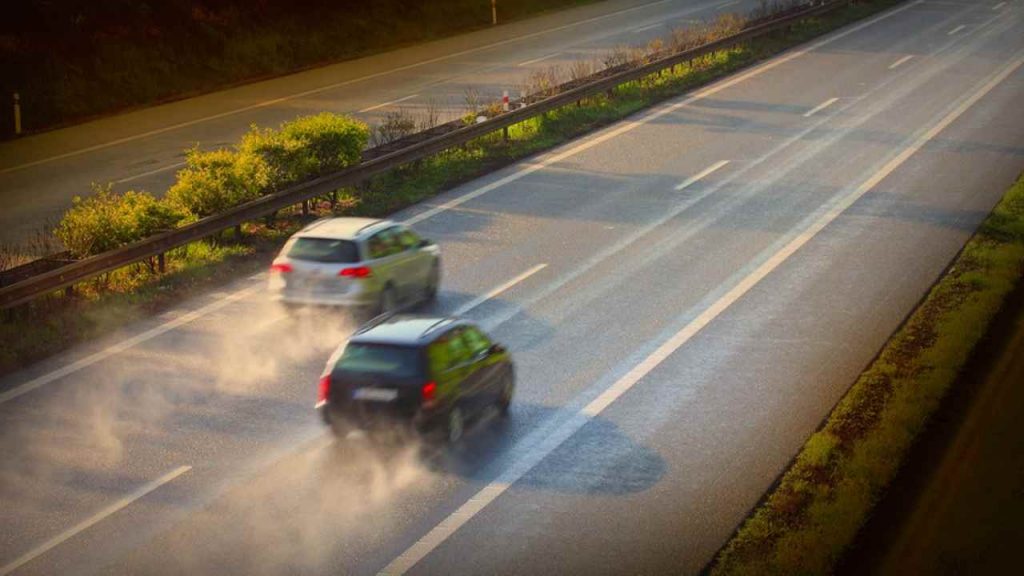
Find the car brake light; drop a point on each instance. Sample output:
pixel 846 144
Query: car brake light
pixel 357 272
pixel 280 268
pixel 324 389
pixel 429 392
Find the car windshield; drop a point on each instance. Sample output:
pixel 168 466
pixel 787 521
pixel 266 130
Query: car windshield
pixel 324 250
pixel 399 361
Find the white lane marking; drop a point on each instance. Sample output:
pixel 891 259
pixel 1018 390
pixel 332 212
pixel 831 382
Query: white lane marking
pixel 519 468
pixel 900 62
pixel 92 520
pixel 535 60
pixel 385 104
pixel 628 125
pixel 702 175
pixel 999 6
pixel 820 107
pixel 523 171
pixel 955 30
pixel 123 345
pixel 150 173
pixel 481 299
pixel 648 27
pixel 329 87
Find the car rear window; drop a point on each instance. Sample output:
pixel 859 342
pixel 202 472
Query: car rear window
pixel 397 361
pixel 324 250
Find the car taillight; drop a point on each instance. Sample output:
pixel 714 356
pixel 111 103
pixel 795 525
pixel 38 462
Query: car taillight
pixel 429 392
pixel 280 268
pixel 324 389
pixel 357 272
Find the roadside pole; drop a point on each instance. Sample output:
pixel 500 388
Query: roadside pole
pixel 17 114
pixel 494 12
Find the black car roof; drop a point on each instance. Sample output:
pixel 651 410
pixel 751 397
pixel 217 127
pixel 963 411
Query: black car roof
pixel 405 329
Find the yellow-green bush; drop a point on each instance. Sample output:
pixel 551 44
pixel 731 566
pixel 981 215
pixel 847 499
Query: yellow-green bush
pixel 215 181
pixel 108 220
pixel 306 147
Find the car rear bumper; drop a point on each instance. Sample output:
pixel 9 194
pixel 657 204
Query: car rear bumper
pixel 421 422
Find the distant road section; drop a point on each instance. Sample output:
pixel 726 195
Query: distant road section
pixel 39 175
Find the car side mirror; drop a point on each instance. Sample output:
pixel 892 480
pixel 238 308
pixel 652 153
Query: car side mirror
pixel 496 349
pixel 424 243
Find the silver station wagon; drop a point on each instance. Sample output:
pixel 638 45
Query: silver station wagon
pixel 369 265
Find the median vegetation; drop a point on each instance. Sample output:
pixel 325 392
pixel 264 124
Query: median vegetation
pixel 267 160
pixel 814 512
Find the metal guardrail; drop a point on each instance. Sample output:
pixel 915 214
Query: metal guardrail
pixel 375 163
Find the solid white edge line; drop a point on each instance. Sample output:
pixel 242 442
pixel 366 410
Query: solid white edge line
pixel 123 345
pixel 702 175
pixel 150 173
pixel 955 30
pixel 517 470
pixel 999 6
pixel 820 107
pixel 385 104
pixel 330 87
pixel 498 290
pixel 92 520
pixel 535 60
pixel 900 62
pixel 526 170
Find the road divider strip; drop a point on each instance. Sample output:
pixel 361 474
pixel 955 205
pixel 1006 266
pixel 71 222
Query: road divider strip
pixel 91 521
pixel 820 107
pixel 900 62
pixel 386 104
pixel 702 175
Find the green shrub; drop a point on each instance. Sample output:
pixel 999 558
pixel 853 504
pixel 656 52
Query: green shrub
pixel 307 147
pixel 213 182
pixel 108 220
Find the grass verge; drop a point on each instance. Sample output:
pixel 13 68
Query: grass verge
pixel 49 325
pixel 820 502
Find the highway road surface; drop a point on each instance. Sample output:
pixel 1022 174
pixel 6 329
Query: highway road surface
pixel 39 175
pixel 687 293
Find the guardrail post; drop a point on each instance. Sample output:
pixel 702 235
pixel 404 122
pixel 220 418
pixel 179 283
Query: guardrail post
pixel 17 114
pixel 305 207
pixel 69 291
pixel 161 262
pixel 238 231
pixel 494 12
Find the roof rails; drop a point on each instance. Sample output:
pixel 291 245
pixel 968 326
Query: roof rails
pixel 370 225
pixel 374 322
pixel 435 325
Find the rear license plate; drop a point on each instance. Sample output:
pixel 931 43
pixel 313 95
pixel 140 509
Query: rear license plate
pixel 375 394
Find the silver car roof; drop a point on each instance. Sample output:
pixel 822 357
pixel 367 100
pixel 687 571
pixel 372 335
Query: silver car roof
pixel 344 228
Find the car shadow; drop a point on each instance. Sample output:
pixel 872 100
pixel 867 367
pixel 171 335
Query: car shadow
pixel 598 458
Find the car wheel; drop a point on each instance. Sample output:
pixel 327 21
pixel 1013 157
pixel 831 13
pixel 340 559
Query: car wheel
pixel 388 302
pixel 508 389
pixel 433 281
pixel 455 427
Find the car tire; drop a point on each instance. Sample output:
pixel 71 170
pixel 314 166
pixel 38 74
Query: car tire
pixel 433 282
pixel 508 390
pixel 388 302
pixel 455 426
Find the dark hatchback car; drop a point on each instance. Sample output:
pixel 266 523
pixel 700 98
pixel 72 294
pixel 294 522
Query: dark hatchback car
pixel 429 374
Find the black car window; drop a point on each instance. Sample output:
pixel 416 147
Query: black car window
pixel 324 250
pixel 398 361
pixel 384 243
pixel 408 239
pixel 438 356
pixel 475 340
pixel 458 351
